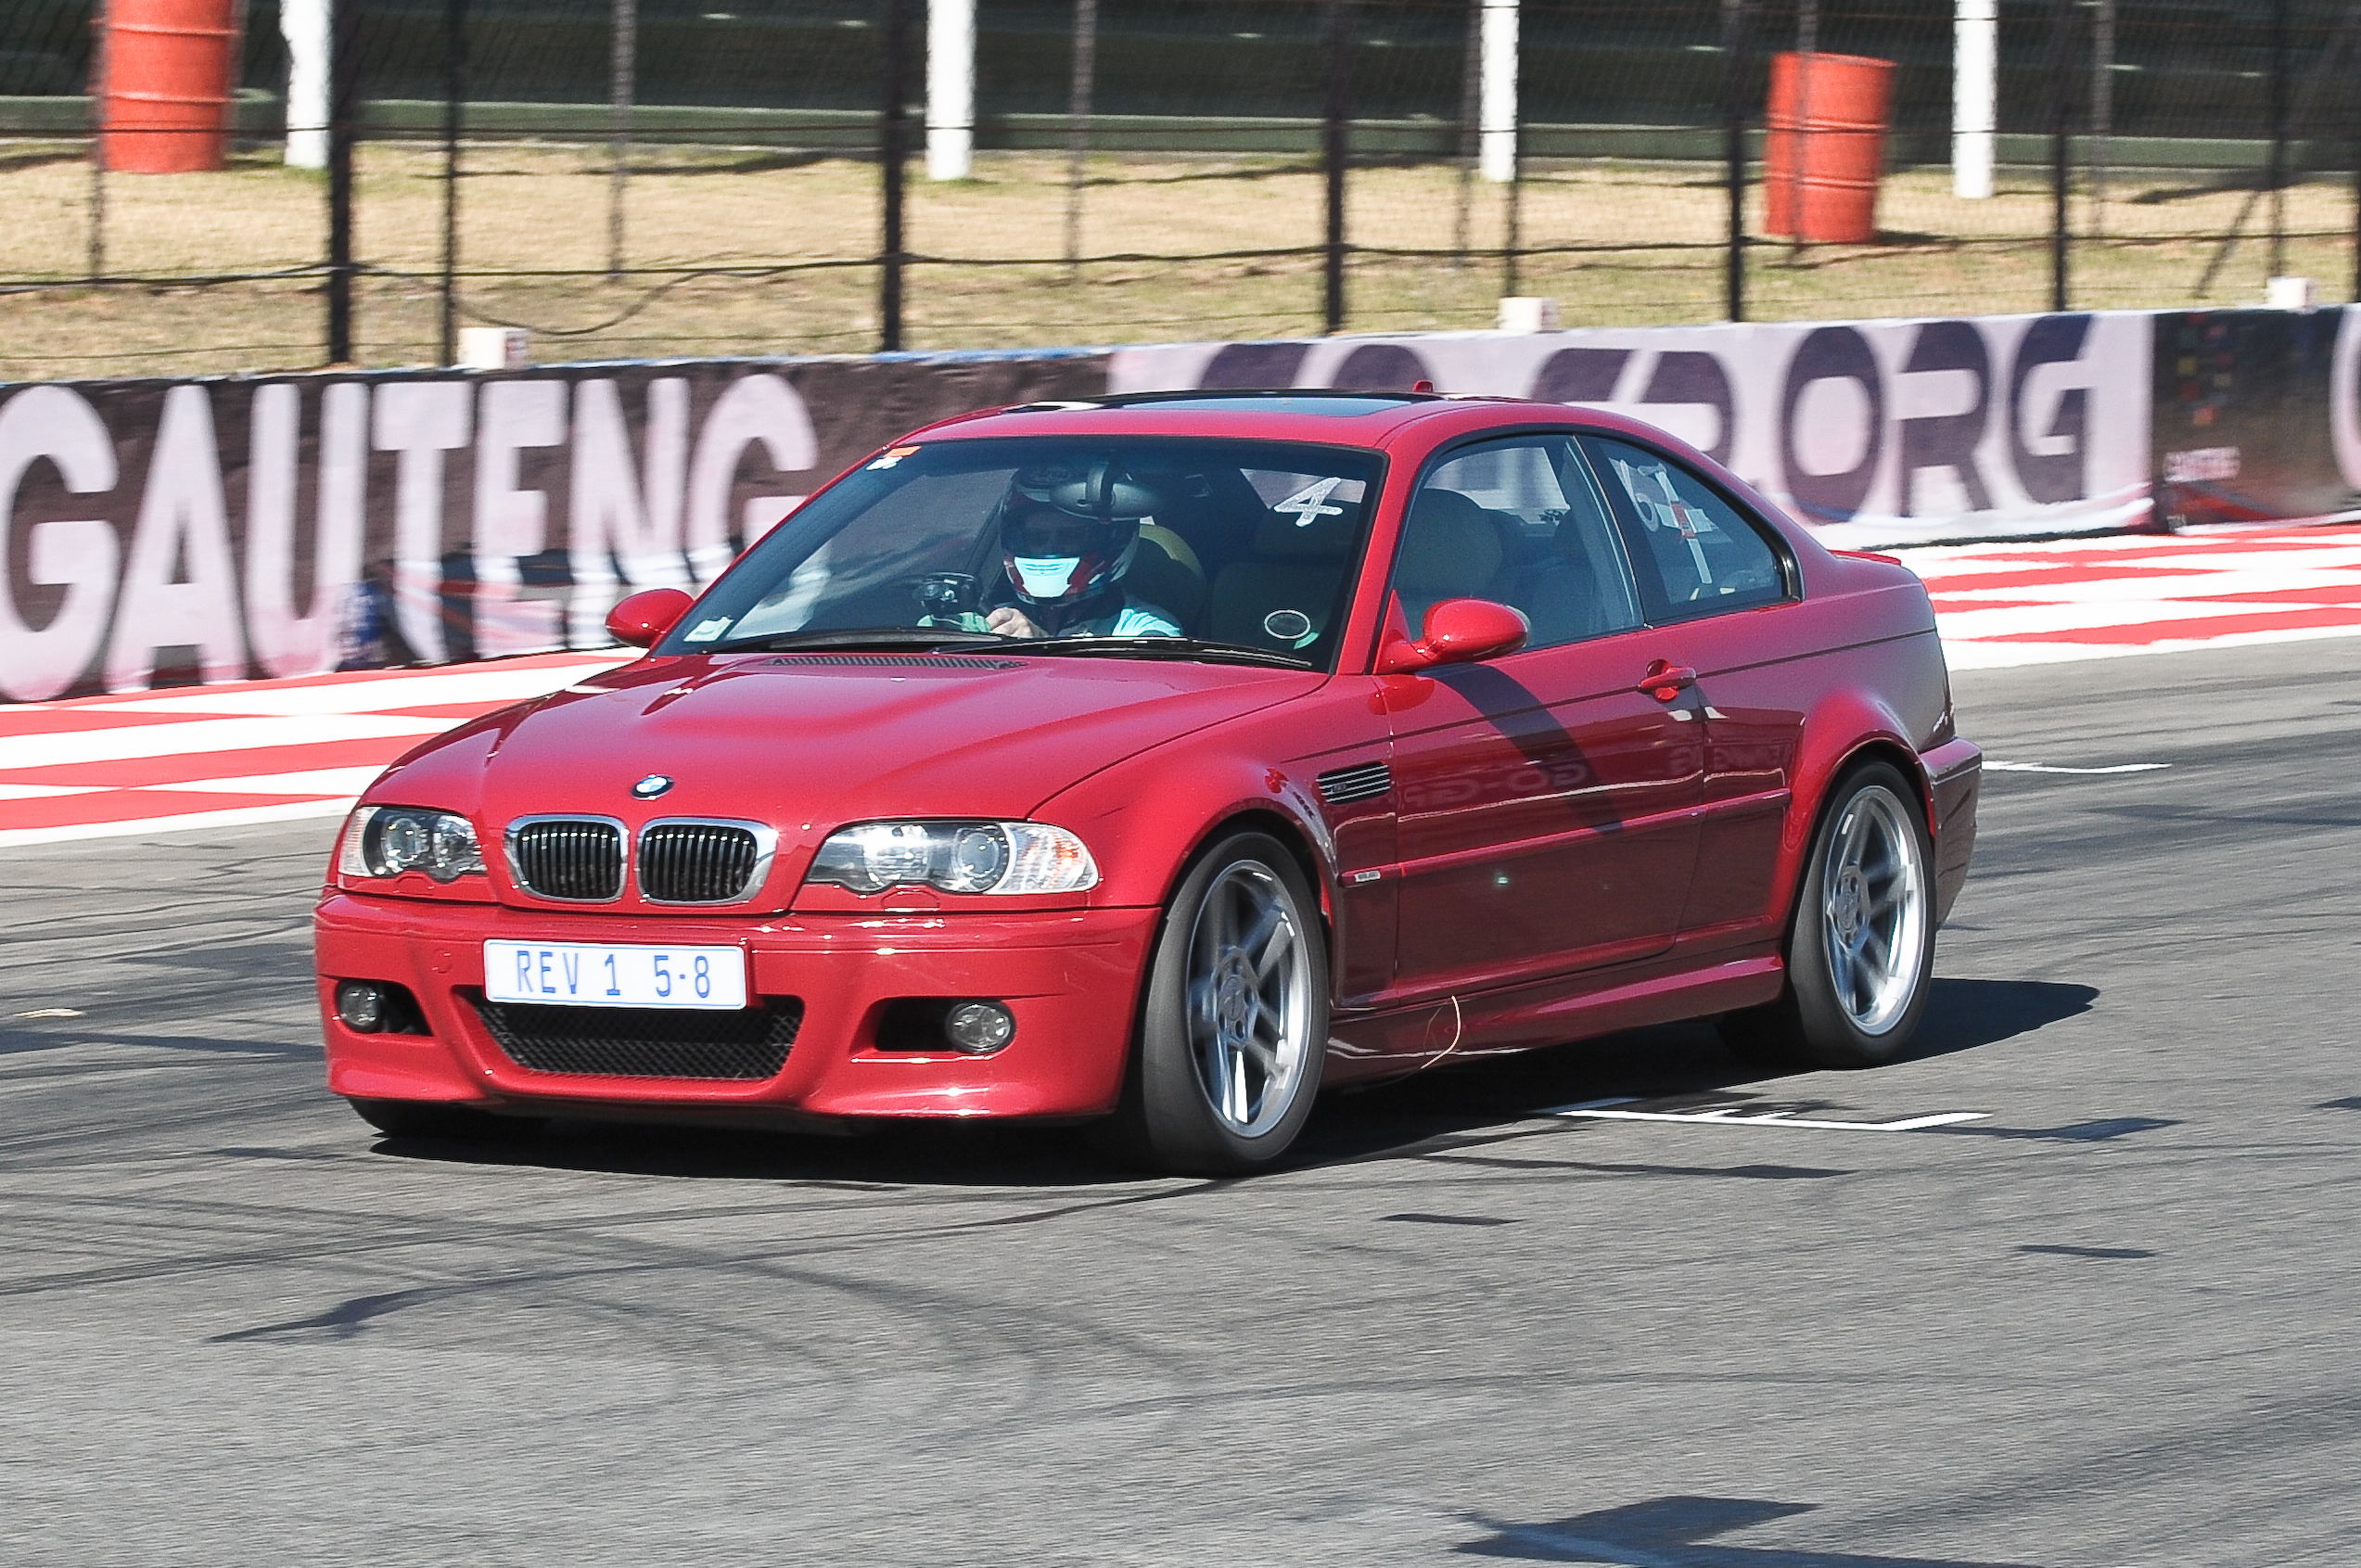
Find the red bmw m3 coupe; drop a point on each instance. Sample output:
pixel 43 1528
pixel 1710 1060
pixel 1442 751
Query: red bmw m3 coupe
pixel 1158 760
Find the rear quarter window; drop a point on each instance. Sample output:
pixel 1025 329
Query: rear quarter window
pixel 1695 550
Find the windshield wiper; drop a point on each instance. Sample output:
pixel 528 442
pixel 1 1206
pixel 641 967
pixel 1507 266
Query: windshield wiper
pixel 936 638
pixel 1159 647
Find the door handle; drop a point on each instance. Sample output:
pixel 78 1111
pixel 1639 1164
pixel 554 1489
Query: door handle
pixel 1665 679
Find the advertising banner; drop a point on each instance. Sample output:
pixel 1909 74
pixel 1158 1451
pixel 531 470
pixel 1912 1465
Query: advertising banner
pixel 1875 433
pixel 160 532
pixel 2255 416
pixel 163 532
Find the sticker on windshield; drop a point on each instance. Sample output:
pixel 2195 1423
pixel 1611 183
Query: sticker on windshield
pixel 1309 504
pixel 705 631
pixel 1287 626
pixel 891 456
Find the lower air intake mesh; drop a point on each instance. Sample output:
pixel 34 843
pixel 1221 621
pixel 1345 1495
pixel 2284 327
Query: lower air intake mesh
pixel 646 1042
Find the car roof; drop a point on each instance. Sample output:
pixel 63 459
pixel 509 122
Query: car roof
pixel 1305 413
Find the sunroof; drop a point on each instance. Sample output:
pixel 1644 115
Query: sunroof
pixel 1328 406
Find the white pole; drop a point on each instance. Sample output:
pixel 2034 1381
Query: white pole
pixel 1975 50
pixel 307 26
pixel 1496 156
pixel 951 89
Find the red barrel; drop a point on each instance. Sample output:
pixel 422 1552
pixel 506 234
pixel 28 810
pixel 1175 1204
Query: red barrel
pixel 164 102
pixel 1826 146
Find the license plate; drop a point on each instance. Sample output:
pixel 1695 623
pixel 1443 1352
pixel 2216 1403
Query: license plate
pixel 584 975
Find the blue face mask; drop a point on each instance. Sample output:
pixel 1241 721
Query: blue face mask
pixel 1045 577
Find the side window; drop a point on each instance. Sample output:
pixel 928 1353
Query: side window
pixel 1519 521
pixel 1696 553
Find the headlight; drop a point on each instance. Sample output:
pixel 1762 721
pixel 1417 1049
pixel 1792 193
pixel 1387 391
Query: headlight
pixel 956 856
pixel 388 840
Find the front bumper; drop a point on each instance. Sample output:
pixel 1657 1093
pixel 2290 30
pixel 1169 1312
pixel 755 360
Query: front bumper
pixel 1070 978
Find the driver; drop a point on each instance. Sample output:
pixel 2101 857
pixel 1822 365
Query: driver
pixel 1068 534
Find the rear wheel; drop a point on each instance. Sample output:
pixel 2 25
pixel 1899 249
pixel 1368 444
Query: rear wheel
pixel 425 1119
pixel 1235 1027
pixel 1860 948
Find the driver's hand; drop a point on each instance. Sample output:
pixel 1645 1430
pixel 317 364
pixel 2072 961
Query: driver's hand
pixel 1010 621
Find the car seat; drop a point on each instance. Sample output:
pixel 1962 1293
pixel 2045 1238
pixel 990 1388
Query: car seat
pixel 1559 594
pixel 1165 573
pixel 1290 568
pixel 1451 548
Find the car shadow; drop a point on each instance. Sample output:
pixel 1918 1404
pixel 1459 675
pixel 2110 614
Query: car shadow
pixel 1673 1064
pixel 1459 1104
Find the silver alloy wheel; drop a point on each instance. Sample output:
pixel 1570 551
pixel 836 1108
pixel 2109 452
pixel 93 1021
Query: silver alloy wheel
pixel 1249 997
pixel 1873 909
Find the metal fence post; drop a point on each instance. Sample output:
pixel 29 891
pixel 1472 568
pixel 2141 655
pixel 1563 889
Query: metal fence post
pixel 455 88
pixel 1470 132
pixel 622 87
pixel 2277 177
pixel 1737 77
pixel 1077 127
pixel 1338 53
pixel 893 151
pixel 1513 239
pixel 344 92
pixel 2061 118
pixel 98 53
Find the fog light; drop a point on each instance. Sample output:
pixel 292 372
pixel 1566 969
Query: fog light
pixel 978 1028
pixel 363 1004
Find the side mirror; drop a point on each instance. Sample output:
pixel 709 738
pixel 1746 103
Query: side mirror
pixel 647 615
pixel 1457 631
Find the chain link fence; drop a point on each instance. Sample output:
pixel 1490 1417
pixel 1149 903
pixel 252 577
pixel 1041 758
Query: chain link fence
pixel 644 178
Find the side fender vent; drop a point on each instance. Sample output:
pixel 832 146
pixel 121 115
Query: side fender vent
pixel 1365 781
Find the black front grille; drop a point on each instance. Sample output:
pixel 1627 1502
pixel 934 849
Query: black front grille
pixel 575 858
pixel 697 863
pixel 646 1042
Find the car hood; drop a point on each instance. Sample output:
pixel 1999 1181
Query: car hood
pixel 808 742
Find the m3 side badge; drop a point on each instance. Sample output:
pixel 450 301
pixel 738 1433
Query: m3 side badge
pixel 651 786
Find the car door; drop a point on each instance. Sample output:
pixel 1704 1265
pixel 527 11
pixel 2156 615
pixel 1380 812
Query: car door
pixel 1718 582
pixel 1546 802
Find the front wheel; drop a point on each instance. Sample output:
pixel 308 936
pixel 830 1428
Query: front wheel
pixel 1234 1026
pixel 1860 950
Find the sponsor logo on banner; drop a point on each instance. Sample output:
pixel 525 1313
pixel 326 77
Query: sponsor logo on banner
pixel 217 531
pixel 1875 433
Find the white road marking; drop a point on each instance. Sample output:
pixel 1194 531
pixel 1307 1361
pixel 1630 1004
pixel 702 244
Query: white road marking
pixel 1604 1110
pixel 1992 766
pixel 486 686
pixel 237 817
pixel 204 736
pixel 345 783
pixel 45 792
pixel 1962 654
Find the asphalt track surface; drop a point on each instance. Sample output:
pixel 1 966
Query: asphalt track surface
pixel 2108 1324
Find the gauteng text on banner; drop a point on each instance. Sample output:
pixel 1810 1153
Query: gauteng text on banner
pixel 160 532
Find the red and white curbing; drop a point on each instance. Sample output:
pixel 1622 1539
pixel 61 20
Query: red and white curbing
pixel 270 751
pixel 2002 604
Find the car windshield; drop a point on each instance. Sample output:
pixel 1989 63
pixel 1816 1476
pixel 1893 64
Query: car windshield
pixel 1133 547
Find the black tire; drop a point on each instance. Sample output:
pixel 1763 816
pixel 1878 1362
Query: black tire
pixel 1829 1015
pixel 458 1124
pixel 1169 1119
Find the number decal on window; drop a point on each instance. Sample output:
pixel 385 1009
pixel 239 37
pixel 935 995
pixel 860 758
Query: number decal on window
pixel 1309 504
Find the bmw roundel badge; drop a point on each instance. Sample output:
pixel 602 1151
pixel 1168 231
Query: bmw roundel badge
pixel 651 786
